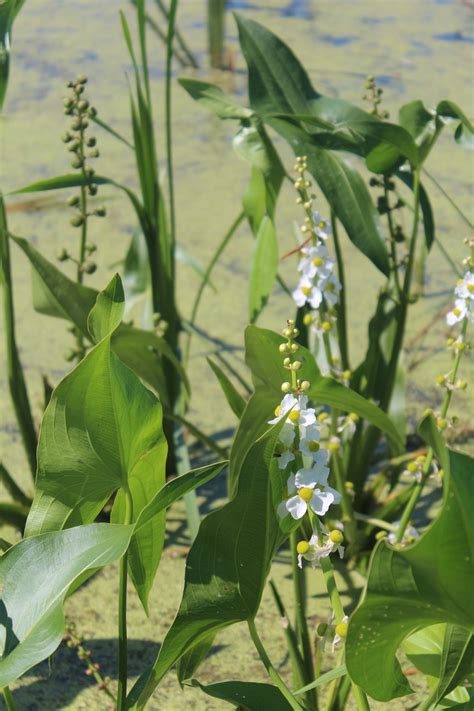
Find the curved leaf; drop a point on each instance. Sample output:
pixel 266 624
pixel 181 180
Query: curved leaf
pixel 31 615
pixel 246 695
pixel 102 432
pixel 107 313
pixel 414 588
pixel 226 567
pixel 264 268
pixel 233 397
pixel 214 99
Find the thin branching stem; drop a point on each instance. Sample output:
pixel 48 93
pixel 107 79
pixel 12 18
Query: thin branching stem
pixel 122 612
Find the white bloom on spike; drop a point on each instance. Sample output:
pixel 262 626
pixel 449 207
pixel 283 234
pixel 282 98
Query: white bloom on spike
pixel 285 459
pixel 315 261
pixel 307 292
pixel 341 633
pixel 465 287
pixel 322 228
pixel 331 286
pixel 313 494
pixel 316 551
pixel 311 476
pixel 296 411
pixel 287 434
pixel 459 312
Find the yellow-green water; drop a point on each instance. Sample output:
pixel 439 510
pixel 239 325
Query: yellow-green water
pixel 406 45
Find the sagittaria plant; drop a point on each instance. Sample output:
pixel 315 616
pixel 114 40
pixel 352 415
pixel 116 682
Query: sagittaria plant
pixel 321 131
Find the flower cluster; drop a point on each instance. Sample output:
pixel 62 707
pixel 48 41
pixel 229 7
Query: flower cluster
pixel 318 285
pixel 299 445
pixel 464 302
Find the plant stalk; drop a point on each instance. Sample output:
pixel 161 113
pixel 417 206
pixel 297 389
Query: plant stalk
pixel 7 695
pixel 122 613
pixel 275 677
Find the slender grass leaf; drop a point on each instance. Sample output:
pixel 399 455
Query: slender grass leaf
pixel 426 209
pixel 226 567
pixel 246 695
pixel 323 679
pixel 428 583
pixel 16 493
pixel 31 615
pixel 264 268
pixel 100 122
pixel 214 99
pixel 13 514
pixel 233 397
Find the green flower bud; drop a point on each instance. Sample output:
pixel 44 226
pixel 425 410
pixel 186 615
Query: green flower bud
pixel 76 162
pixel 94 153
pixel 81 79
pixel 66 137
pixel 101 211
pixel 91 141
pixel 93 189
pixel 321 629
pixel 286 387
pixel 77 220
pixel 62 255
pixel 89 267
pixel 83 105
pixel 73 201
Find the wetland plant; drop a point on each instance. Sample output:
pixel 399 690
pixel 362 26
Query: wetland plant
pixel 321 468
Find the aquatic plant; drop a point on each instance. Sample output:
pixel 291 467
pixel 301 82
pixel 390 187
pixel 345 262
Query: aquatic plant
pixel 320 468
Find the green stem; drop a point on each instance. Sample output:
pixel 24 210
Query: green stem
pixel 169 143
pixel 418 488
pixel 393 244
pixel 180 39
pixel 291 640
pixel 16 380
pixel 341 309
pixel 276 678
pixel 122 613
pixel 7 695
pixel 361 698
pixel 300 612
pixel 83 240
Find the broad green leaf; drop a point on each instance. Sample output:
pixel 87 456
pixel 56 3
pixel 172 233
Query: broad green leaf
pixel 233 397
pixel 192 660
pixel 423 649
pixel 35 576
pixel 226 567
pixel 107 313
pixel 102 432
pixel 264 268
pixel 425 584
pixel 465 130
pixel 246 695
pixel 420 124
pixel 278 84
pixel 214 99
pixel 56 295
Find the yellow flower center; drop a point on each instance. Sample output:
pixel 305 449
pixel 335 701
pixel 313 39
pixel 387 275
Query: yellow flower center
pixel 305 493
pixel 456 311
pixel 302 547
pixel 306 290
pixel 336 537
pixel 459 282
pixel 277 410
pixel 470 288
pixel 330 287
pixel 313 446
pixel 317 261
pixel 322 225
pixel 341 629
pixel 294 415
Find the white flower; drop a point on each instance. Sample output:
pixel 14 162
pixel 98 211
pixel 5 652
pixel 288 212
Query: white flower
pixel 306 291
pixel 459 312
pixel 316 551
pixel 318 497
pixel 299 414
pixel 322 228
pixel 341 632
pixel 315 261
pixel 285 459
pixel 331 286
pixel 312 476
pixel 287 434
pixel 465 287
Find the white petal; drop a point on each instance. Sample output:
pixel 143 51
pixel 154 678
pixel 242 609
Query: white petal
pixel 290 484
pixel 285 459
pixel 297 507
pixel 287 435
pixel 336 494
pixel 282 511
pixel 306 477
pixel 321 501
